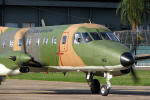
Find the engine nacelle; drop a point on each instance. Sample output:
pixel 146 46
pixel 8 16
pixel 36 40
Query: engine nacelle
pixel 126 71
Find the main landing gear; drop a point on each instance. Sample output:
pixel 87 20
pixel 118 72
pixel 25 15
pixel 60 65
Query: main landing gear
pixel 95 84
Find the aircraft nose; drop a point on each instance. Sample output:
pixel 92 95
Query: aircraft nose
pixel 127 59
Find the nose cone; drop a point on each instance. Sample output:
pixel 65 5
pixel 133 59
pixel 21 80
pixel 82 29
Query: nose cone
pixel 127 59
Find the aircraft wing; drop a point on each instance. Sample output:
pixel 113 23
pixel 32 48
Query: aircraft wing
pixel 142 57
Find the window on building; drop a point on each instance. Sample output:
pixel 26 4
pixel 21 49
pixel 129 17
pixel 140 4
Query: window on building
pixel 45 41
pixel 37 41
pixel 20 42
pixel 64 39
pixel 4 43
pixel 11 24
pixel 28 25
pixel 11 43
pixel 77 38
pixel 54 40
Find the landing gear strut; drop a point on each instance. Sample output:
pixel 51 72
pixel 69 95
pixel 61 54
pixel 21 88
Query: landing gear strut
pixel 93 83
pixel 106 88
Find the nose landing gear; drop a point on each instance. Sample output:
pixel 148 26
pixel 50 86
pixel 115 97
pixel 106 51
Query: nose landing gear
pixel 106 88
pixel 95 84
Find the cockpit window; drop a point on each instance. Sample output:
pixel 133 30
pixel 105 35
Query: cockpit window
pixel 86 37
pixel 95 36
pixel 77 38
pixel 109 36
pixel 105 36
pixel 112 36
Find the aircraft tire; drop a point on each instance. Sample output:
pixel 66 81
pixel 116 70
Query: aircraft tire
pixel 104 90
pixel 95 86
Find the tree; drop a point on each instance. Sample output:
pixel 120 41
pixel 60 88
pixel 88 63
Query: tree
pixel 133 12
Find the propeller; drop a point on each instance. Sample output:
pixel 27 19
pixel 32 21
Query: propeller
pixel 128 61
pixel 138 41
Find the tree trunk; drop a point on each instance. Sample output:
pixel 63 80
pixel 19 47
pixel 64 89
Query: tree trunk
pixel 133 24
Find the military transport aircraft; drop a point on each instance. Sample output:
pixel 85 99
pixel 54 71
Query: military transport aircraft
pixel 89 48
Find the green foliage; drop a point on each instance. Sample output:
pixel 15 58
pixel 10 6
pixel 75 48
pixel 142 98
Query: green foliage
pixel 133 12
pixel 81 77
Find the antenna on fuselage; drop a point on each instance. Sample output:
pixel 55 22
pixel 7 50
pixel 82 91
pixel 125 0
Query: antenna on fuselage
pixel 43 22
pixel 90 22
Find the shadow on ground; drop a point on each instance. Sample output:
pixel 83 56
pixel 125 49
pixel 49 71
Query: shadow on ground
pixel 81 92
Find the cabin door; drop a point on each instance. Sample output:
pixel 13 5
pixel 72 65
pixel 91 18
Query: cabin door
pixel 63 47
pixel 68 57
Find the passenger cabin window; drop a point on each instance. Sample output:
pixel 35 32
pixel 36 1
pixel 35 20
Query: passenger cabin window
pixel 28 43
pixel 4 43
pixel 64 39
pixel 86 37
pixel 54 40
pixel 11 43
pixel 45 41
pixel 37 41
pixel 20 42
pixel 77 38
pixel 95 36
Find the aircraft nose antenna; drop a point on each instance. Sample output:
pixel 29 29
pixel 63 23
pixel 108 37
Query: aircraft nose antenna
pixel 127 59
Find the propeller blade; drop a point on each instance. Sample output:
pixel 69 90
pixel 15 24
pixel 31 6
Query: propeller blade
pixel 134 75
pixel 142 57
pixel 12 70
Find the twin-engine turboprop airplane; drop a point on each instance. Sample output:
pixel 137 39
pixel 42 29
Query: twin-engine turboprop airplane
pixel 89 48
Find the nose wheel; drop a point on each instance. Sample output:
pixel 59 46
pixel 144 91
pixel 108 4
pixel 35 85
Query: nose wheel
pixel 104 90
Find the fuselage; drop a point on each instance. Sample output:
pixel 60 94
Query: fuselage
pixel 76 45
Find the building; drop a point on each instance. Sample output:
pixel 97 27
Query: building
pixel 22 13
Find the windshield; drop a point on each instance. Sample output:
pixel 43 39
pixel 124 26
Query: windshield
pixel 109 36
pixel 105 36
pixel 95 36
pixel 86 37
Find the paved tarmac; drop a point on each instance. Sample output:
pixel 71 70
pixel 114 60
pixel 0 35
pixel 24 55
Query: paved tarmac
pixel 13 89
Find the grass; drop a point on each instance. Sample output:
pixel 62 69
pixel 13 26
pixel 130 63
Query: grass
pixel 144 77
